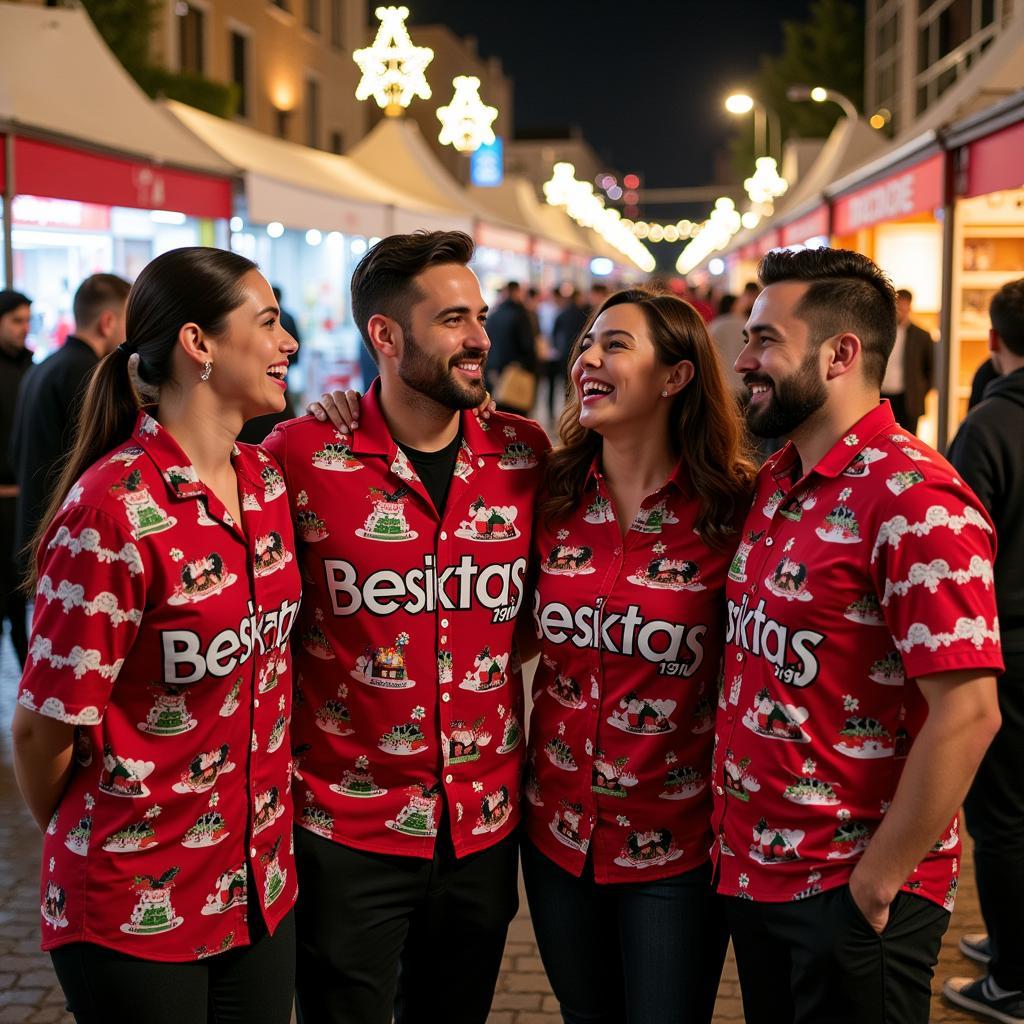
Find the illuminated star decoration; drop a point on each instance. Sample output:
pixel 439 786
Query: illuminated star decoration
pixel 393 68
pixel 466 121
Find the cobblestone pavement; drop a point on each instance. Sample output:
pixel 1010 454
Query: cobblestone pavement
pixel 29 993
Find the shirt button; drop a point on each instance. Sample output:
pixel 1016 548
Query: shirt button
pixel 719 791
pixel 252 852
pixel 256 702
pixel 617 552
pixel 444 623
pixel 449 778
pixel 768 542
pixel 444 535
pixel 480 463
pixel 753 589
pixel 739 655
pixel 446 697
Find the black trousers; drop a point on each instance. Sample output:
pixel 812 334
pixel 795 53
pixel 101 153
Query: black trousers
pixel 627 953
pixel 12 600
pixel 254 984
pixel 994 809
pixel 421 938
pixel 818 961
pixel 554 373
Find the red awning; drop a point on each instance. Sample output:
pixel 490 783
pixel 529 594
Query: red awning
pixel 994 163
pixel 61 172
pixel 915 190
pixel 812 225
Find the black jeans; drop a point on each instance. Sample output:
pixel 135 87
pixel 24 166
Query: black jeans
pixel 818 961
pixel 627 953
pixel 994 809
pixel 378 932
pixel 253 984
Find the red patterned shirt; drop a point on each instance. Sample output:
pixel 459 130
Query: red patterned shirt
pixel 408 698
pixel 870 571
pixel 631 634
pixel 161 632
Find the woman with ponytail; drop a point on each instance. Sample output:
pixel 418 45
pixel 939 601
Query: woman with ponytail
pixel 151 734
pixel 636 530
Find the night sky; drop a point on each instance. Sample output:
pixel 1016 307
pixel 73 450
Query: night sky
pixel 644 79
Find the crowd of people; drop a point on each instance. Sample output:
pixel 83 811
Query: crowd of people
pixel 764 687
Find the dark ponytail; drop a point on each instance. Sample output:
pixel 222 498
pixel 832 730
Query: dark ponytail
pixel 190 285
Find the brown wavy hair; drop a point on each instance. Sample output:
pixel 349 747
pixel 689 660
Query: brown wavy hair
pixel 705 422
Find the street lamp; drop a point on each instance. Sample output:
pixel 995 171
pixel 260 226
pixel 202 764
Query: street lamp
pixel 742 103
pixel 800 93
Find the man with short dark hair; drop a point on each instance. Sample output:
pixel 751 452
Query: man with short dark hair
pixel 910 370
pixel 988 454
pixel 15 361
pixel 862 645
pixel 513 340
pixel 49 400
pixel 414 541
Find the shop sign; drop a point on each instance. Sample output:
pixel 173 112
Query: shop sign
pixel 813 225
pixel 545 250
pixel 487 165
pixel 993 163
pixel 914 191
pixel 38 212
pixel 499 238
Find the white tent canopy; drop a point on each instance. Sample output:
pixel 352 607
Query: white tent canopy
pixel 58 78
pixel 302 187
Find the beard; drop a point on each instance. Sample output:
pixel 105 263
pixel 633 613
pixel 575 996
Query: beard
pixel 791 401
pixel 435 377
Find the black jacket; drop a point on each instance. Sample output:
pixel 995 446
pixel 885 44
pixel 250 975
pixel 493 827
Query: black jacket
pixel 44 428
pixel 512 337
pixel 988 453
pixel 13 367
pixel 568 324
pixel 918 369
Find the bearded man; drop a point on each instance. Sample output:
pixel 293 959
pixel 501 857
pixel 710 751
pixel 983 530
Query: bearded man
pixel 414 537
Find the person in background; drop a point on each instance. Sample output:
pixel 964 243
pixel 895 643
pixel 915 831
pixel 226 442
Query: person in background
pixel 290 326
pixel 513 340
pixel 15 361
pixel 599 291
pixel 644 495
pixel 983 376
pixel 151 739
pixel 910 371
pixel 51 395
pixel 988 454
pixel 745 302
pixel 568 323
pixel 726 331
pixel 859 689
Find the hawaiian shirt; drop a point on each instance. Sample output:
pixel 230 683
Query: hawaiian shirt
pixel 631 633
pixel 409 698
pixel 161 632
pixel 870 571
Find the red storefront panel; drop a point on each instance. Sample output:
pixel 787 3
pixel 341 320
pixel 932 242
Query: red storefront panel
pixel 916 190
pixel 47 169
pixel 812 225
pixel 996 162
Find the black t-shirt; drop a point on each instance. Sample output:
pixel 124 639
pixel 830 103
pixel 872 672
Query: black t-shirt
pixel 435 469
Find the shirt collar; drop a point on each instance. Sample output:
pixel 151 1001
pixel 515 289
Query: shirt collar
pixel 679 478
pixel 372 436
pixel 844 451
pixel 175 466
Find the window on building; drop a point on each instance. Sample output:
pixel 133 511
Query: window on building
pixel 337 23
pixel 313 15
pixel 191 28
pixel 240 70
pixel 337 143
pixel 312 113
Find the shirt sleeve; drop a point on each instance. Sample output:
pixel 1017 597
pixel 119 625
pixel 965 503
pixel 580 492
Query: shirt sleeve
pixel 89 604
pixel 932 566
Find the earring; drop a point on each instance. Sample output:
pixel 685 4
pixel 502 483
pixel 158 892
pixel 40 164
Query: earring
pixel 207 370
pixel 664 394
